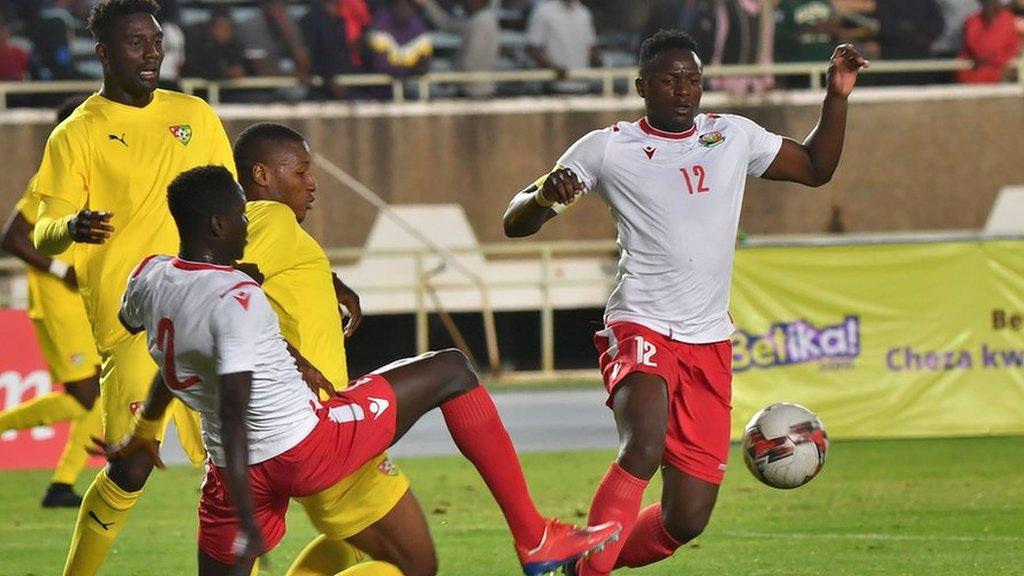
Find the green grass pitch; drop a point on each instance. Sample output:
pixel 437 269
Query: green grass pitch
pixel 886 508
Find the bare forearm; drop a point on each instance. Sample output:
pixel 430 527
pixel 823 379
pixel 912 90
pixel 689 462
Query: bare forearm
pixel 524 215
pixel 234 402
pixel 16 241
pixel 825 143
pixel 158 401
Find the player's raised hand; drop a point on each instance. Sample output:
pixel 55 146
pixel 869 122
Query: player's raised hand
pixel 562 186
pixel 127 447
pixel 843 68
pixel 90 227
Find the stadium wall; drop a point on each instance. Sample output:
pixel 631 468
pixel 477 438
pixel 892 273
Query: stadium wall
pixel 921 159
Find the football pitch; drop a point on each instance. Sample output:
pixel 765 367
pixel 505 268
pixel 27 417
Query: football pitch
pixel 906 507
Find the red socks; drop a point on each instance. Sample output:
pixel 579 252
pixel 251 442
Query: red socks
pixel 617 498
pixel 649 542
pixel 478 431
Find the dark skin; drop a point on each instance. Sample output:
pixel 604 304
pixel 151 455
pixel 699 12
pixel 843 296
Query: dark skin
pixel 671 88
pixel 17 240
pixel 286 176
pixel 131 54
pixel 670 85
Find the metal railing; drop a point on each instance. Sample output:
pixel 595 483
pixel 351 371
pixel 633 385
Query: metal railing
pixel 607 77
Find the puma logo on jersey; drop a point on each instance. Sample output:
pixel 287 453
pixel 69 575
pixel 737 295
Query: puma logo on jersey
pixel 649 151
pixel 243 299
pixel 118 138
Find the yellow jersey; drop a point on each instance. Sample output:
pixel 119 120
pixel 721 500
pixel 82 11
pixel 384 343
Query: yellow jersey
pixel 112 157
pixel 46 293
pixel 299 283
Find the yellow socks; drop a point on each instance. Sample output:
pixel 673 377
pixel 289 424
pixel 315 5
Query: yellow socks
pixel 323 557
pixel 79 438
pixel 372 568
pixel 42 411
pixel 103 513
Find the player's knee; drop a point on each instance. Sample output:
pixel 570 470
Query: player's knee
pixel 641 454
pixel 684 525
pixel 131 473
pixel 459 374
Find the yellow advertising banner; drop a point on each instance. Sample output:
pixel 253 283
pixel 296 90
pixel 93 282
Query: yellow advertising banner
pixel 894 340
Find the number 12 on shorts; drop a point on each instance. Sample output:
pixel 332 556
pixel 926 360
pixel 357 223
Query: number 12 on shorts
pixel 645 351
pixel 695 176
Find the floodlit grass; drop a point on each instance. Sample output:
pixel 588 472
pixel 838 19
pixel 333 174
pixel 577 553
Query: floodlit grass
pixel 887 508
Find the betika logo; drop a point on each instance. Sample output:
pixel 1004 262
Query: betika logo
pixel 797 342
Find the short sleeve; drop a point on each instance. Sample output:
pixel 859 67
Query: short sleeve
pixel 221 153
pixel 586 157
pixel 28 204
pixel 238 319
pixel 131 313
pixel 272 243
pixel 535 32
pixel 764 146
pixel 63 172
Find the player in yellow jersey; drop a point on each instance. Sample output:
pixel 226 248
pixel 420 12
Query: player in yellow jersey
pixel 375 510
pixel 103 184
pixel 66 341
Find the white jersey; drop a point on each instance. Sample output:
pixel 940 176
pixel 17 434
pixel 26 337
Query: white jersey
pixel 202 321
pixel 676 199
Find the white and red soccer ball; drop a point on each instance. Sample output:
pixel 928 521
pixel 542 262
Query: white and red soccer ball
pixel 784 445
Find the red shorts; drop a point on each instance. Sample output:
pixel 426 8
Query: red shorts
pixel 354 427
pixel 699 381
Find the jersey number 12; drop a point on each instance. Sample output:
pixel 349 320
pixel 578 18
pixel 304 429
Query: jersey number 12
pixel 696 178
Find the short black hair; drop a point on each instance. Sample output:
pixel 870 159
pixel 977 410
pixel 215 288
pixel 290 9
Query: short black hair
pixel 199 193
pixel 256 142
pixel 105 14
pixel 663 41
pixel 68 106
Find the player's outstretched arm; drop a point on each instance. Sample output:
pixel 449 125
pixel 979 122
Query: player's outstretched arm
pixel 15 240
pixel 145 428
pixel 59 225
pixel 348 298
pixel 814 162
pixel 532 207
pixel 235 390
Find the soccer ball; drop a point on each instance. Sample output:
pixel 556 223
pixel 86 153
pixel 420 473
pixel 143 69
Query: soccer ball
pixel 784 445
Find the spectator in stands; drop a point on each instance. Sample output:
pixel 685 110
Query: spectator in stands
pixel 357 17
pixel 560 35
pixel 1018 12
pixel 805 30
pixel 273 44
pixel 907 30
pixel 174 43
pixel 745 34
pixel 954 14
pixel 991 42
pixel 480 35
pixel 13 58
pixel 51 33
pixel 326 35
pixel 698 18
pixel 399 42
pixel 213 52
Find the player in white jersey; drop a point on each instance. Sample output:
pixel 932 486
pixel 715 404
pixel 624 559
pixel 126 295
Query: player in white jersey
pixel 674 183
pixel 211 330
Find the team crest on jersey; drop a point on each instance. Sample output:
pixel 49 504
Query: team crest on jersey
pixel 181 132
pixel 135 407
pixel 711 139
pixel 387 468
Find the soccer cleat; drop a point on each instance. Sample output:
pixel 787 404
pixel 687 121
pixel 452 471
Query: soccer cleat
pixel 61 496
pixel 563 544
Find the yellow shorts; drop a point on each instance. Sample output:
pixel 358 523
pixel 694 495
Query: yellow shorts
pixel 68 347
pixel 358 500
pixel 125 378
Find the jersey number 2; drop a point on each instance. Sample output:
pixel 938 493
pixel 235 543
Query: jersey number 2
pixel 698 176
pixel 165 344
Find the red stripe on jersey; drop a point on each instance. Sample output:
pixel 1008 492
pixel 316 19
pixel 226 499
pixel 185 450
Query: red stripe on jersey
pixel 138 269
pixel 646 127
pixel 237 286
pixel 192 266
